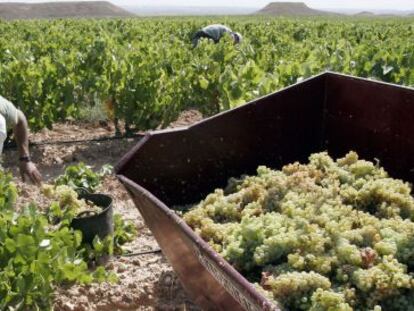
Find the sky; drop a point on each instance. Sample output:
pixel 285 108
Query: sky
pixel 343 4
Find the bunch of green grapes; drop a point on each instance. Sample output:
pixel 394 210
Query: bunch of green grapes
pixel 322 300
pixel 326 235
pixel 296 288
pixel 65 203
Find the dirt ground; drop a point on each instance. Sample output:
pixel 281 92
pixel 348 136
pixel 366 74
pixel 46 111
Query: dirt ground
pixel 146 282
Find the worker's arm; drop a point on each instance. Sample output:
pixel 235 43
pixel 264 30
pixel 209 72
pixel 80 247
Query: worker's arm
pixel 27 167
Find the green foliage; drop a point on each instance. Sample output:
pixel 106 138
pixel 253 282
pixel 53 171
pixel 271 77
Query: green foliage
pixel 145 71
pixel 124 232
pixel 36 256
pixel 67 206
pixel 326 235
pixel 100 248
pixel 82 176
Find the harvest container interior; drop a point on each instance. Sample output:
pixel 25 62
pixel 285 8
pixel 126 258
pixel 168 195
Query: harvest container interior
pixel 331 112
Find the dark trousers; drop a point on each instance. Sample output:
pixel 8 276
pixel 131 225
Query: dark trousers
pixel 201 34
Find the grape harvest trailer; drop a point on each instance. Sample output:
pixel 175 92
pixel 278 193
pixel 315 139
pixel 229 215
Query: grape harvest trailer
pixel 330 112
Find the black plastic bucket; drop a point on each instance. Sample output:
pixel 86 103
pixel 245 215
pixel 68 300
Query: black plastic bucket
pixel 100 224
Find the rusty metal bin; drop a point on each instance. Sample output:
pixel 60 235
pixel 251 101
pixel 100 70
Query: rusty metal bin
pixel 330 112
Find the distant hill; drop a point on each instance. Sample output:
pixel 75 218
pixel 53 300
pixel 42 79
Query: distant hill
pixel 291 9
pixel 17 10
pixel 365 13
pixel 188 10
pixel 389 14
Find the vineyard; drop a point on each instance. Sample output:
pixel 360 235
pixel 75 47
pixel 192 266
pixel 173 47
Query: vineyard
pixel 144 72
pixel 134 75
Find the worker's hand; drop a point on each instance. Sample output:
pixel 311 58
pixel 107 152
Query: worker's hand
pixel 29 169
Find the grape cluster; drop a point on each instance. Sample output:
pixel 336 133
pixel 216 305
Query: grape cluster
pixel 65 203
pixel 326 235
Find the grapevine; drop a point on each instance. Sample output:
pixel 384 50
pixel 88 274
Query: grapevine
pixel 36 256
pixel 145 72
pixel 38 253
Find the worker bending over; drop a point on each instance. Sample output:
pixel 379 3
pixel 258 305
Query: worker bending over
pixel 215 32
